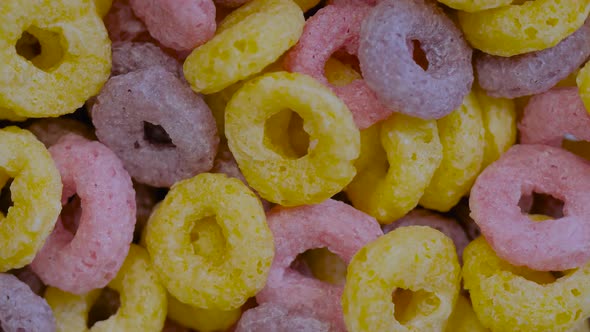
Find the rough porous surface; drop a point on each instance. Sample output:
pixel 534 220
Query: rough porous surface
pixel 272 318
pixel 162 131
pixel 332 224
pixel 399 82
pixel 21 310
pixel 131 56
pixel 177 24
pixel 554 115
pixel 89 258
pixel 551 245
pixel 447 226
pixel 535 72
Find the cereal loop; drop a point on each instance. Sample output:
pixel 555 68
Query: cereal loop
pixel 397 161
pixel 448 226
pixel 21 310
pixel 399 82
pixel 247 40
pixel 160 140
pixel 462 138
pixel 551 117
pixel 74 62
pixel 522 28
pixel 330 29
pixel 333 144
pixel 534 72
pixel 552 245
pixel 180 25
pixel 143 300
pixel 90 258
pixel 272 318
pixel 223 281
pixel 331 224
pixel 415 258
pixel 36 195
pixel 510 298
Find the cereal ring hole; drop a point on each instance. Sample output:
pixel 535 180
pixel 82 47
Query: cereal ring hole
pixel 106 305
pixel 6 199
pixel 418 54
pixel 156 135
pixel 208 240
pixel 71 213
pixel 541 204
pixel 285 134
pixel 409 304
pixel 321 264
pixel 43 48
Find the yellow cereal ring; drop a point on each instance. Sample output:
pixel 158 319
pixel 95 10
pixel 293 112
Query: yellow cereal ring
pixel 509 298
pixel 103 6
pixel 499 122
pixel 463 318
pixel 462 137
pixel 522 28
pixel 73 64
pixel 143 300
pixel 36 193
pixel 583 82
pixel 204 320
pixel 224 282
pixel 398 160
pixel 475 5
pixel 218 100
pixel 247 40
pixel 415 258
pixel 334 139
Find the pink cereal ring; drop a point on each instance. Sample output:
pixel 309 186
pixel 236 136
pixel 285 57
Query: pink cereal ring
pixel 271 318
pixel 123 25
pixel 553 115
pixel 551 245
pixel 178 24
pixel 330 29
pixel 332 224
pixel 90 258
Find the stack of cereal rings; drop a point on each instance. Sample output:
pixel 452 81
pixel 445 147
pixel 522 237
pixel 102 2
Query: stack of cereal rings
pixel 441 159
pixel 295 165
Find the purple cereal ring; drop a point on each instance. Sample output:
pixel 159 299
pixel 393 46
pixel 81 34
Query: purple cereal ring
pixel 162 131
pixel 90 258
pixel 388 67
pixel 551 245
pixel 272 318
pixel 178 24
pixel 554 115
pixel 536 72
pixel 21 310
pixel 333 28
pixel 130 56
pixel 447 226
pixel 332 224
